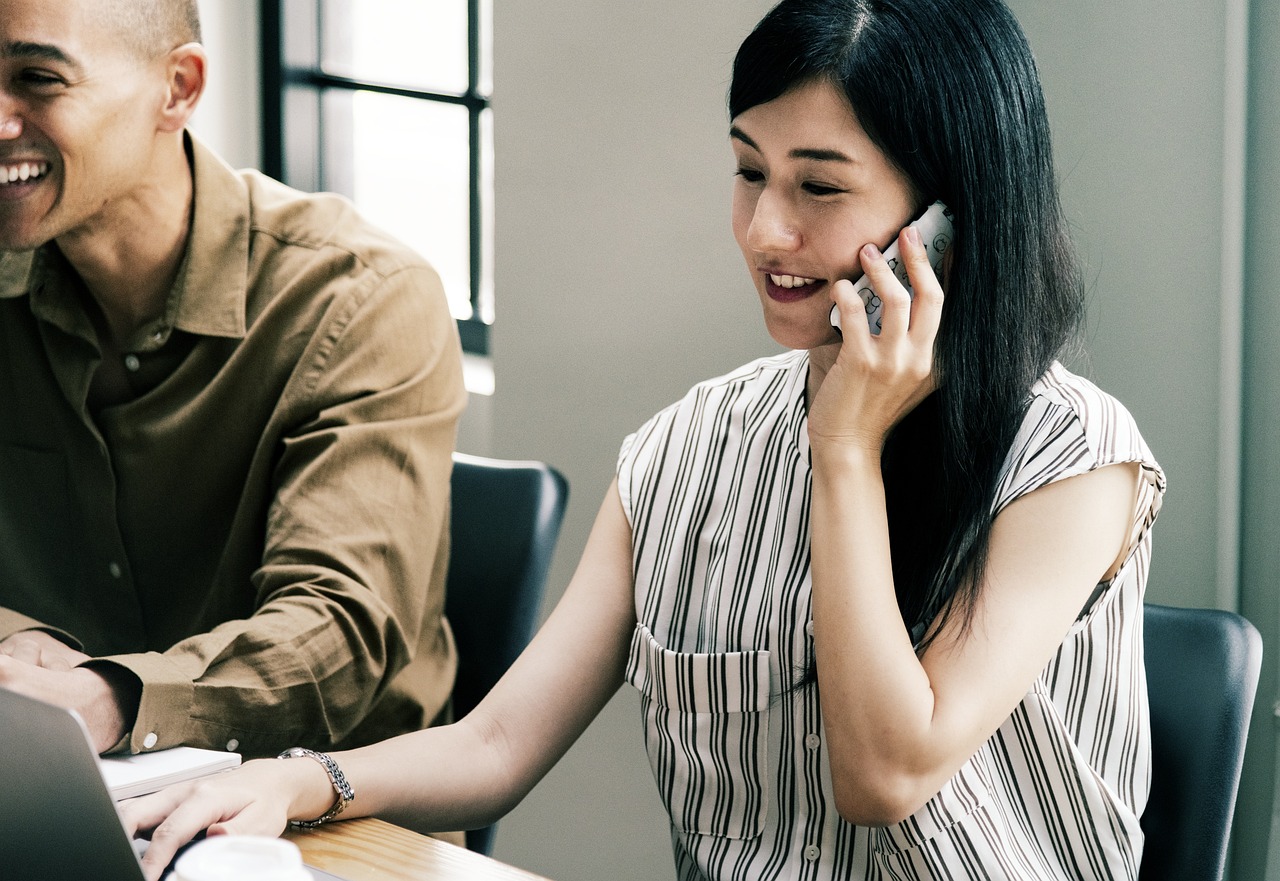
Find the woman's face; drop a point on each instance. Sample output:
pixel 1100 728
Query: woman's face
pixel 811 190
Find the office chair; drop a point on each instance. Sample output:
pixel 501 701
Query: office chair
pixel 1202 672
pixel 505 519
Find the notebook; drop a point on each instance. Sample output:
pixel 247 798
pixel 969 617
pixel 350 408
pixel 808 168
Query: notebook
pixel 129 776
pixel 58 821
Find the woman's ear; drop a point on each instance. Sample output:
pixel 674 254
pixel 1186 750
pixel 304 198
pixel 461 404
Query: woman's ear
pixel 185 70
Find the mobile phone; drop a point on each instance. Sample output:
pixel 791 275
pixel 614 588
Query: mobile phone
pixel 936 233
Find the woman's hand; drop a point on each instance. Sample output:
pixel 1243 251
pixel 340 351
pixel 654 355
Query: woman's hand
pixel 254 799
pixel 876 380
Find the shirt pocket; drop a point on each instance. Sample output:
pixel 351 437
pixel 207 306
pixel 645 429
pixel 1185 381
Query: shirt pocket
pixel 707 732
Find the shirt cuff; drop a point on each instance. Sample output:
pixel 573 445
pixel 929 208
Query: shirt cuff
pixel 164 709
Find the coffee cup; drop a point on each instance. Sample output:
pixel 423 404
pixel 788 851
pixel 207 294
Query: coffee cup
pixel 241 858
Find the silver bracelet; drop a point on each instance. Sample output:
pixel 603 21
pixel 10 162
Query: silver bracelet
pixel 341 787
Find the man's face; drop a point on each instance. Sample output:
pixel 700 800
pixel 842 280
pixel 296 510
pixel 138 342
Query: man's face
pixel 78 115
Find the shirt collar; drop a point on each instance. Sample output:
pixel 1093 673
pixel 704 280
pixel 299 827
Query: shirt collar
pixel 215 270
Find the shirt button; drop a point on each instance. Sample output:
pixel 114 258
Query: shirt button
pixel 812 852
pixel 149 741
pixel 131 363
pixel 115 570
pixel 808 628
pixel 232 744
pixel 812 741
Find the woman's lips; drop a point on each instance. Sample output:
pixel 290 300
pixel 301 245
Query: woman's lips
pixel 790 288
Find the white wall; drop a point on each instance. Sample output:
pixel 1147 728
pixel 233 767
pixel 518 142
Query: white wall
pixel 229 115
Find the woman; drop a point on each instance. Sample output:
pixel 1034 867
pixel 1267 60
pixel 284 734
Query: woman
pixel 881 595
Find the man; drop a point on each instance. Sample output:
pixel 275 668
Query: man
pixel 228 414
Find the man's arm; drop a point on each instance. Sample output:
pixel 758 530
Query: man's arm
pixel 355 542
pixel 354 545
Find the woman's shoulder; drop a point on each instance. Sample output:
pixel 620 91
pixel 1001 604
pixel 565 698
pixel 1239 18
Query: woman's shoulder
pixel 764 371
pixel 1105 424
pixel 766 391
pixel 1072 426
pixel 770 375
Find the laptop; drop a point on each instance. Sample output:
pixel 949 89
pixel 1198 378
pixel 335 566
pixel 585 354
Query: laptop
pixel 58 821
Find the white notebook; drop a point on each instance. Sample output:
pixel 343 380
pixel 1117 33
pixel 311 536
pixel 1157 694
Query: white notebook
pixel 127 776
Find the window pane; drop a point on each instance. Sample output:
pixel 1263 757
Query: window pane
pixel 406 164
pixel 421 43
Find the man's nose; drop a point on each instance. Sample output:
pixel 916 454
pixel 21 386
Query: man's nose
pixel 10 123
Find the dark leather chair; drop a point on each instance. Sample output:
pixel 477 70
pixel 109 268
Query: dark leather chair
pixel 1202 673
pixel 505 520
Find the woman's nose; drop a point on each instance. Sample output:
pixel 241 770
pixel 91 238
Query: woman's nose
pixel 773 227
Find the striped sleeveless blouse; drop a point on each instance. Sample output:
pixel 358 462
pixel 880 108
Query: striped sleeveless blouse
pixel 716 488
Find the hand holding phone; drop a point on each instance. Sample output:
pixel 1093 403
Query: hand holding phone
pixel 936 233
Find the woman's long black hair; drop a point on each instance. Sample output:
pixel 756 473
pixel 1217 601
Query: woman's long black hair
pixel 948 90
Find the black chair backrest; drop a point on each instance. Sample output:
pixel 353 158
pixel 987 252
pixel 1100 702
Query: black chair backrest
pixel 505 520
pixel 1202 673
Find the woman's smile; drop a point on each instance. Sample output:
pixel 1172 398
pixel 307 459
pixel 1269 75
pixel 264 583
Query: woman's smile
pixel 791 288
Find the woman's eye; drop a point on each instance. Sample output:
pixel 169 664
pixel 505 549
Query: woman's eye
pixel 817 189
pixel 750 175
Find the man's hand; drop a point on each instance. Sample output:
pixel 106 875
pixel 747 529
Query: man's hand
pixel 41 650
pixel 106 698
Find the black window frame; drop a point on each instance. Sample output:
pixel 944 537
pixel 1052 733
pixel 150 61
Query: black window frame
pixel 291 62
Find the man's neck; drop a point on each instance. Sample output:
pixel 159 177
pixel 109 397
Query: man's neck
pixel 129 261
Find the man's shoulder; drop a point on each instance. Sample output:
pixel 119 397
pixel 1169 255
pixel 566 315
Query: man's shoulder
pixel 321 222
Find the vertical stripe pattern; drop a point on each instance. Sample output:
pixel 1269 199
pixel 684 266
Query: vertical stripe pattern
pixel 717 489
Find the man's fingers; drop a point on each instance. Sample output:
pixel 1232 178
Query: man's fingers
pixel 25 650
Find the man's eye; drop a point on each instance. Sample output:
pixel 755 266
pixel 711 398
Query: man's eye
pixel 40 79
pixel 750 175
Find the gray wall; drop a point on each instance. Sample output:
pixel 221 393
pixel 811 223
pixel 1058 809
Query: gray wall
pixel 1260 512
pixel 618 286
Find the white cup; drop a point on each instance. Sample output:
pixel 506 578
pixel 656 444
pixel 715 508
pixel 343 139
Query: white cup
pixel 241 858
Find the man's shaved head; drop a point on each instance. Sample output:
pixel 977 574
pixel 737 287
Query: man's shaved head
pixel 151 27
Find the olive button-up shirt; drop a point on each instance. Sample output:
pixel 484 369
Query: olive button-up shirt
pixel 261 533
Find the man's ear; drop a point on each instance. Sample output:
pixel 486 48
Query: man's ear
pixel 185 70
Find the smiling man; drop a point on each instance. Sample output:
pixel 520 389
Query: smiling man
pixel 229 410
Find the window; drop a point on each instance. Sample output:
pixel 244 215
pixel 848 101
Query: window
pixel 388 103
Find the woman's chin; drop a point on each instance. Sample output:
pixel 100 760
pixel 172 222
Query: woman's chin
pixel 800 333
pixel 808 339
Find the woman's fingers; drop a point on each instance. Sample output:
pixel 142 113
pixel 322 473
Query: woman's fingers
pixel 853 312
pixel 926 304
pixel 222 804
pixel 895 302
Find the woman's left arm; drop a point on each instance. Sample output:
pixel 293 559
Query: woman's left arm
pixel 898 725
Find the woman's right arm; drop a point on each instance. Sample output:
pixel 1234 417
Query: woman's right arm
pixel 457 776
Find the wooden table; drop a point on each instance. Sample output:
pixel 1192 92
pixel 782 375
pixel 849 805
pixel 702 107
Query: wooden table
pixel 373 850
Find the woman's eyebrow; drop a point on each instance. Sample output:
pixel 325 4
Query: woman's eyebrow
pixel 818 154
pixel 821 155
pixel 737 134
